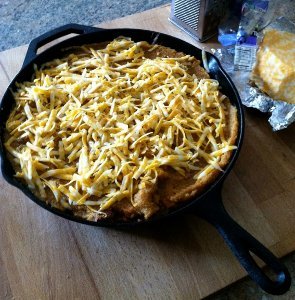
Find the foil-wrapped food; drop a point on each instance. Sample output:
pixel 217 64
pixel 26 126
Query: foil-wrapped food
pixel 270 85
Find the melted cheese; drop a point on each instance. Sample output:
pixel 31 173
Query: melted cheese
pixel 95 127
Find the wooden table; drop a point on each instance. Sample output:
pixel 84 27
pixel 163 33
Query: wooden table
pixel 43 256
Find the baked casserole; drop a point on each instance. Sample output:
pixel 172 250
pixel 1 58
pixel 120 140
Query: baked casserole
pixel 123 130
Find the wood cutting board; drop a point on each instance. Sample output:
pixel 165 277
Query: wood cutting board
pixel 43 256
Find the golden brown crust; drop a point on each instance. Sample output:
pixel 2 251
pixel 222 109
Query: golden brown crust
pixel 171 188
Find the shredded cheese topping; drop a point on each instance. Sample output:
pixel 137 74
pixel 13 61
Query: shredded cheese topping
pixel 95 127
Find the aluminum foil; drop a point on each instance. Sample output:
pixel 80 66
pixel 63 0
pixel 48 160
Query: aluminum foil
pixel 281 113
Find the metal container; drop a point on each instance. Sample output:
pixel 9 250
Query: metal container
pixel 198 18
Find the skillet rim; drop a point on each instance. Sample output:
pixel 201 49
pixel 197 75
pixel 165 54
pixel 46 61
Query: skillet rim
pixel 6 167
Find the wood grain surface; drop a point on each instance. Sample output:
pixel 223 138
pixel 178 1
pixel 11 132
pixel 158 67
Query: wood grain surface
pixel 43 256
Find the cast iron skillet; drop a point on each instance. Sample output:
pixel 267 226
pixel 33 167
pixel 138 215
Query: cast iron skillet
pixel 209 204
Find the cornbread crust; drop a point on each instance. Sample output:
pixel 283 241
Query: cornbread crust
pixel 171 188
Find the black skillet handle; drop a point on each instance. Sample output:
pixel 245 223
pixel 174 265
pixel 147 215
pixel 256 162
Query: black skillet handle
pixel 242 243
pixel 54 34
